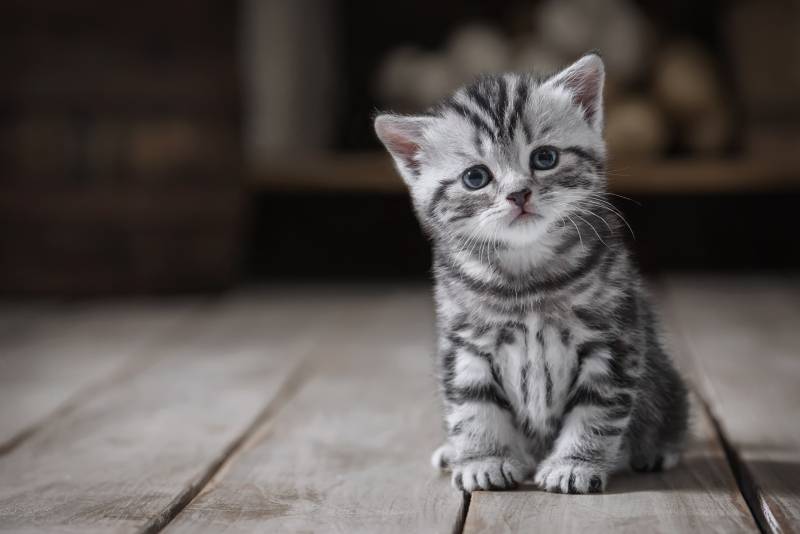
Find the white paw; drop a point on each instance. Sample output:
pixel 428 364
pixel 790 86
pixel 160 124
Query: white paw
pixel 564 476
pixel 442 458
pixel 489 473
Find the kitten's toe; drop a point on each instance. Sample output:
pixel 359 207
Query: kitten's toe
pixel 571 477
pixel 490 473
pixel 442 457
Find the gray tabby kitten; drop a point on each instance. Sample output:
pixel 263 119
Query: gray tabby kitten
pixel 549 351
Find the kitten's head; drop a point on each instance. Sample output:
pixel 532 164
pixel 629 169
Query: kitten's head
pixel 508 158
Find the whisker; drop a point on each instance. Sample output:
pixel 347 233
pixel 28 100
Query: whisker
pixel 624 197
pixel 594 199
pixel 610 207
pixel 620 217
pixel 593 229
pixel 577 229
pixel 590 212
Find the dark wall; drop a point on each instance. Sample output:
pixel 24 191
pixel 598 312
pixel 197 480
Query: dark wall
pixel 119 145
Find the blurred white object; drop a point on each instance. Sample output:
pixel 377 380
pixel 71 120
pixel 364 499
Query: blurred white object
pixel 478 49
pixel 410 80
pixel 434 78
pixel 533 56
pixel 710 131
pixel 565 26
pixel 685 81
pixel 635 126
pixel 397 75
pixel 614 27
pixel 288 76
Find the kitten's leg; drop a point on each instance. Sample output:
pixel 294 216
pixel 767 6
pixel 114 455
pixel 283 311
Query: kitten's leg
pixel 595 419
pixel 659 421
pixel 648 452
pixel 483 449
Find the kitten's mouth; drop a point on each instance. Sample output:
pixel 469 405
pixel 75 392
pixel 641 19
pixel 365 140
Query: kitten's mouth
pixel 523 217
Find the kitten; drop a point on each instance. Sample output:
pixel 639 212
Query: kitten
pixel 549 351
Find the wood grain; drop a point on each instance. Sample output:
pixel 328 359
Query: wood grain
pixel 314 409
pixel 51 355
pixel 350 452
pixel 744 335
pixel 127 458
pixel 699 495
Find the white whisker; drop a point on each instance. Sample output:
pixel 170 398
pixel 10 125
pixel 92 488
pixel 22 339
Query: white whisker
pixel 593 229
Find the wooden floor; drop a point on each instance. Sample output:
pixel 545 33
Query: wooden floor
pixel 313 409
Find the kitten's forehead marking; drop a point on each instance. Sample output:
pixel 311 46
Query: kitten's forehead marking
pixel 507 115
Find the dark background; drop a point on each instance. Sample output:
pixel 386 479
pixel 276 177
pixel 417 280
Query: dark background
pixel 182 146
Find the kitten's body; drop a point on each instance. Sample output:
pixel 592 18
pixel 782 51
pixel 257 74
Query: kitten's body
pixel 548 348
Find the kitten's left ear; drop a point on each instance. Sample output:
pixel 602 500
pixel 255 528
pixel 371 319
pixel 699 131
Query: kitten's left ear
pixel 584 80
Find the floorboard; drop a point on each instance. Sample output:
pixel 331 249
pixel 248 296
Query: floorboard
pixel 314 408
pixel 744 335
pixel 700 495
pixel 350 451
pixel 127 458
pixel 51 355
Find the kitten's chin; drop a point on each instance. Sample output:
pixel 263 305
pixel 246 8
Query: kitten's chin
pixel 524 230
pixel 525 217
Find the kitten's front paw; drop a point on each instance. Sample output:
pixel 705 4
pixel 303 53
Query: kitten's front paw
pixel 489 473
pixel 565 476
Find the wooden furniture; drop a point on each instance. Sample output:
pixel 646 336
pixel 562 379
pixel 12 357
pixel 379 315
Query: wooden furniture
pixel 119 146
pixel 297 409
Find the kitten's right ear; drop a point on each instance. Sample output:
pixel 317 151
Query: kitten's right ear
pixel 403 137
pixel 584 80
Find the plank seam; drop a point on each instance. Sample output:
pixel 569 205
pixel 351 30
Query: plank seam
pixel 251 435
pixel 745 482
pixel 461 520
pixel 85 394
pixel 134 363
pixel 749 489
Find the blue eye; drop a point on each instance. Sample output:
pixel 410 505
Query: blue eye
pixel 544 158
pixel 476 177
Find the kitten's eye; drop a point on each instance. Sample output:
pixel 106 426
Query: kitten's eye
pixel 476 177
pixel 544 158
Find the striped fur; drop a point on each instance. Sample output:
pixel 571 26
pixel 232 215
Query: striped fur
pixel 549 353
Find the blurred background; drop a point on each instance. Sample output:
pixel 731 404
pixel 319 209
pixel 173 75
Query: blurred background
pixel 178 146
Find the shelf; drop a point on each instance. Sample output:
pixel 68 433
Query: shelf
pixel 373 172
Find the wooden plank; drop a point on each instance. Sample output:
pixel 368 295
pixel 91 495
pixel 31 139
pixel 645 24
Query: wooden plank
pixel 350 452
pixel 374 172
pixel 128 458
pixel 52 355
pixel 744 336
pixel 699 495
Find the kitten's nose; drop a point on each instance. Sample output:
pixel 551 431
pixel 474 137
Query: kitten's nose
pixel 519 197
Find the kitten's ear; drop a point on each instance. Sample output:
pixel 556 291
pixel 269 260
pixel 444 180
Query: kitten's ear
pixel 584 80
pixel 403 137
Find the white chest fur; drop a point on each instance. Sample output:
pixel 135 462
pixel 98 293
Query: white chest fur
pixel 536 367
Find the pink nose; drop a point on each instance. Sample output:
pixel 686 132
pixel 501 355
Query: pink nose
pixel 520 197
